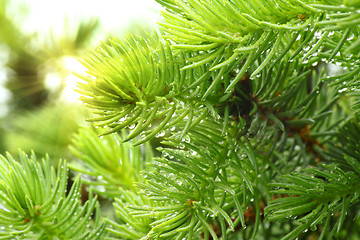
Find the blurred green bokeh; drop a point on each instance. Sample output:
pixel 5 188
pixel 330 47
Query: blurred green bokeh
pixel 38 115
pixel 47 130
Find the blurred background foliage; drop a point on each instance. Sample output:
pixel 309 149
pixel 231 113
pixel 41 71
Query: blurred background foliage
pixel 40 42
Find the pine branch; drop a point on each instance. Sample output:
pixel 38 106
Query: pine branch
pixel 249 117
pixel 195 188
pixel 111 164
pixel 35 204
pixel 141 91
pixel 228 33
pixel 317 194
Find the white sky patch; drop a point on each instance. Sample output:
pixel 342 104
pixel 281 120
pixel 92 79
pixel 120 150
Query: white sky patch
pixel 114 15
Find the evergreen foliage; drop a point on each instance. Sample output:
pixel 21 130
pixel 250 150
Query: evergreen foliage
pixel 34 203
pixel 229 122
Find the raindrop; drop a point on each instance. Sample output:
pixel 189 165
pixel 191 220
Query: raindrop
pixel 186 139
pixel 318 34
pixel 351 37
pixel 161 134
pixel 306 48
pixel 343 90
pixel 313 227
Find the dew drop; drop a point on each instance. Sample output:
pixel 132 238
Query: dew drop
pixel 350 38
pixel 313 227
pixel 161 134
pixel 343 90
pixel 307 48
pixel 318 34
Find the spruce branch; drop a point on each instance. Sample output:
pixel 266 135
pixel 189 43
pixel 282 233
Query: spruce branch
pixel 35 204
pixel 112 165
pixel 196 187
pixel 241 95
pixel 133 226
pixel 137 84
pixel 213 29
pixel 317 194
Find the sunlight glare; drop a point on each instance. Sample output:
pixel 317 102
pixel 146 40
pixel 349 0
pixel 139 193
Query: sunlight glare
pixel 54 79
pixel 73 65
